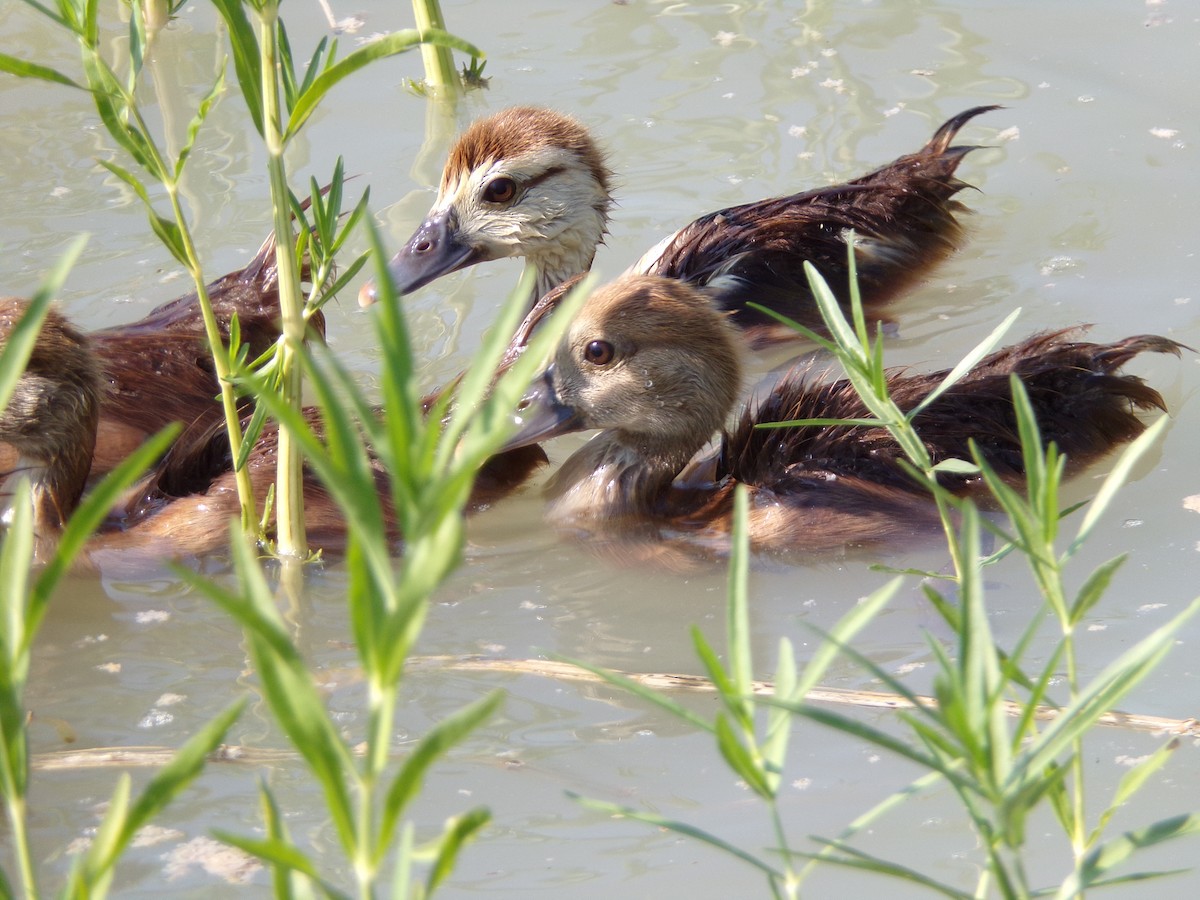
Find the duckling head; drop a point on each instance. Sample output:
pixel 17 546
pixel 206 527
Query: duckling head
pixel 525 182
pixel 52 416
pixel 650 362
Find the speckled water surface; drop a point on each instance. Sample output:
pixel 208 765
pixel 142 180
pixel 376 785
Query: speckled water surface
pixel 1085 213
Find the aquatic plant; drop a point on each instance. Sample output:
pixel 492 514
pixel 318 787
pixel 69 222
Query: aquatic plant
pixel 1001 768
pixel 280 97
pixel 24 599
pixel 432 459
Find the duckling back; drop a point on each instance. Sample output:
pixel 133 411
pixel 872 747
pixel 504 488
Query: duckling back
pixel 902 215
pixel 1083 403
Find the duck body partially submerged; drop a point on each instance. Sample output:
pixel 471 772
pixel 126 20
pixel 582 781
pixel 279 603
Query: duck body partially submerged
pixel 185 504
pixel 657 369
pixel 158 370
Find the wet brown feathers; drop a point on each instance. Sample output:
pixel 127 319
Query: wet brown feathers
pixel 813 488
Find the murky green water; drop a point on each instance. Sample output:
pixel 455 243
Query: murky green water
pixel 1086 214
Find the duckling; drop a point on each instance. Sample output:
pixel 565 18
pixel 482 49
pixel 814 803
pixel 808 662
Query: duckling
pixel 657 369
pixel 158 369
pixel 52 417
pixel 532 183
pixel 184 505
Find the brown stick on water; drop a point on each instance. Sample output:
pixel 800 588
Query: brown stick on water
pixel 135 757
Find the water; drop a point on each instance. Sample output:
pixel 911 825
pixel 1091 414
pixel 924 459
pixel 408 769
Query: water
pixel 1085 214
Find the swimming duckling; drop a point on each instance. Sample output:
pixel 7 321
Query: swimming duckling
pixel 158 369
pixel 185 504
pixel 657 369
pixel 531 182
pixel 51 419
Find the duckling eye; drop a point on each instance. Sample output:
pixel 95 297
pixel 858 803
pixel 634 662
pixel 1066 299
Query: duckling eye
pixel 599 353
pixel 500 190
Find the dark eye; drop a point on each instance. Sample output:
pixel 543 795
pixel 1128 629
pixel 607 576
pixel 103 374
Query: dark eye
pixel 500 190
pixel 599 353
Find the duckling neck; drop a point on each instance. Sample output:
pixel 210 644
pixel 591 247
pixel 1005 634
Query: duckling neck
pixel 612 478
pixel 560 260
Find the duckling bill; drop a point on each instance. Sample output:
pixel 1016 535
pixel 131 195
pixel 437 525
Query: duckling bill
pixel 653 365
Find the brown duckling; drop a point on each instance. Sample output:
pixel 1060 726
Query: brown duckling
pixel 51 419
pixel 184 505
pixel 531 183
pixel 657 369
pixel 158 370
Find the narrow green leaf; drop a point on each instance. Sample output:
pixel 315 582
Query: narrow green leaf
pixel 737 703
pixel 25 69
pixel 277 832
pixel 390 45
pixel 893 802
pixel 130 179
pixel 198 119
pixel 246 60
pixel 802 330
pixel 968 362
pixel 169 233
pixel 956 467
pixel 311 71
pixel 822 423
pixel 740 760
pixel 779 721
pixel 880 739
pixel 737 610
pixel 459 830
pixel 122 821
pixel 1132 782
pixel 16 558
pixel 113 107
pixel 831 312
pixel 1112 853
pixel 92 870
pixel 683 828
pixel 842 635
pixel 402 873
pixel 866 862
pixel 286 682
pixel 658 698
pixel 1117 478
pixel 1101 695
pixel 15 353
pixel 432 746
pixel 181 770
pixel 137 48
pixel 281 856
pixel 1093 589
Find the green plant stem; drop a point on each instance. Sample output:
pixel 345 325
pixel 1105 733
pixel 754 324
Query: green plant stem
pixel 290 538
pixel 791 884
pixel 20 838
pixel 212 331
pixel 439 62
pixel 364 863
pixel 220 360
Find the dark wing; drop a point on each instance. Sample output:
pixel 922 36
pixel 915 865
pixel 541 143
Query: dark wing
pixel 902 214
pixel 1082 402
